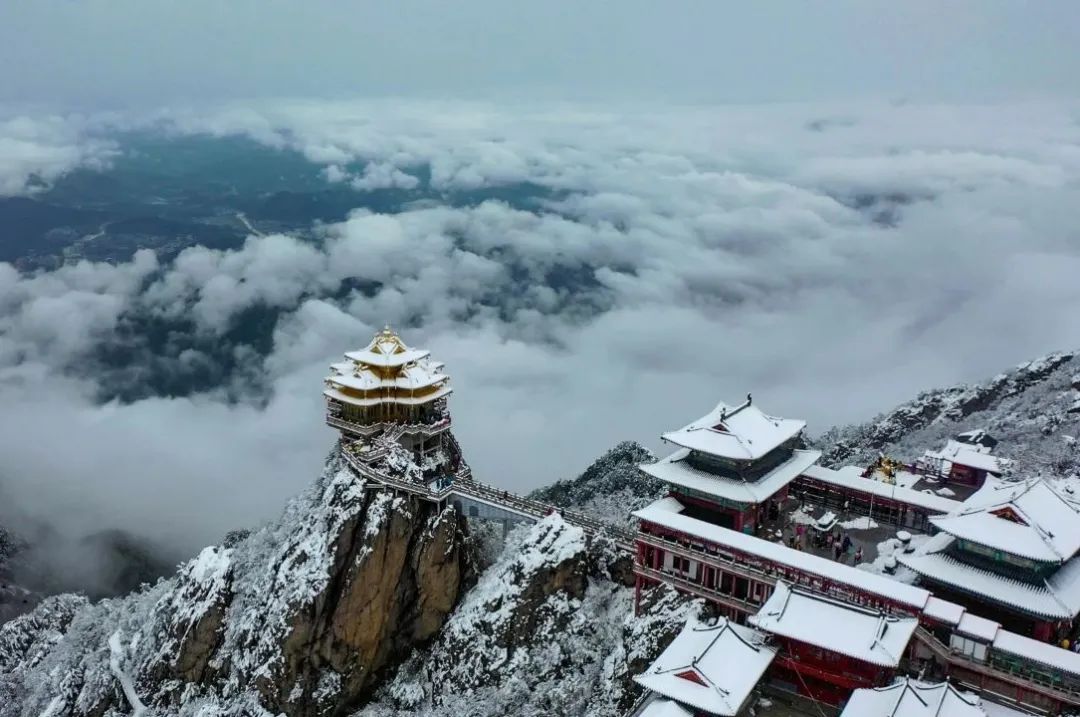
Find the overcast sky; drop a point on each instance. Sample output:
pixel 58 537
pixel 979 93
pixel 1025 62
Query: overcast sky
pixel 121 52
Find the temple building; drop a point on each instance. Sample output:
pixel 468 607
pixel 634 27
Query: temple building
pixel 911 698
pixel 709 669
pixel 386 397
pixel 965 460
pixel 1009 552
pixel 827 647
pixel 733 463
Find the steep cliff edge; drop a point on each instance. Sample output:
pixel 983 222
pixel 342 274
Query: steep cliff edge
pixel 545 631
pixel 303 617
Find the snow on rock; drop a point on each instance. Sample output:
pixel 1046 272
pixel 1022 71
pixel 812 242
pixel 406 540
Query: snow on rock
pixel 537 635
pixel 1026 409
pixel 301 617
pixel 611 488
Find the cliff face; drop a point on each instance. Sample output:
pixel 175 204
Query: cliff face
pixel 545 631
pixel 304 617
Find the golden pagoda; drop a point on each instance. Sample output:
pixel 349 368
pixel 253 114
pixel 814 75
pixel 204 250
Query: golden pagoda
pixel 389 389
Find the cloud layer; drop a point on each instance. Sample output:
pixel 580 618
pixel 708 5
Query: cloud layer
pixel 833 259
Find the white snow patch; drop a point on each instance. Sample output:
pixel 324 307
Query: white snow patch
pixel 116 655
pixel 864 523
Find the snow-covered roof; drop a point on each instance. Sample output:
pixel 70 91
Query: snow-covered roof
pixel 662 707
pixel 1026 597
pixel 386 349
pixel 978 627
pixel 389 369
pixel 972 455
pixel 846 479
pixel 676 469
pixel 1041 652
pixel 866 635
pixel 667 513
pixel 391 398
pixel 710 667
pixel 1030 519
pixel 944 611
pixel 740 432
pixel 911 698
pixel 408 378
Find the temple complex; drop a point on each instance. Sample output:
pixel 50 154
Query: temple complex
pixel 999 586
pixel 1009 552
pixel 734 464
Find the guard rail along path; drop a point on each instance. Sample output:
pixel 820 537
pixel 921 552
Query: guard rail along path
pixel 463 485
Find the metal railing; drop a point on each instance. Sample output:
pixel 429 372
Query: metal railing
pixel 367 429
pixel 463 484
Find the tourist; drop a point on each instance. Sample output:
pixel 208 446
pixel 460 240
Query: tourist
pixel 828 541
pixel 846 545
pixel 836 551
pixel 858 556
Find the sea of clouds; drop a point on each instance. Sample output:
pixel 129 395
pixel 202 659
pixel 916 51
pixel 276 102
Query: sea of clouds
pixel 832 259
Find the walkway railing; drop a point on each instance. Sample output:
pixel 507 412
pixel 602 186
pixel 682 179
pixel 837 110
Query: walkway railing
pixel 463 484
pixel 1026 681
pixel 367 429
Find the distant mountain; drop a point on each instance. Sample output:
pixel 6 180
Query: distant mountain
pixel 1033 410
pixel 611 488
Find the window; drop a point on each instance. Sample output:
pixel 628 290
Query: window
pixel 966 646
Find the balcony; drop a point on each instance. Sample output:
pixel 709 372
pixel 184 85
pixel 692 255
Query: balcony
pixel 369 429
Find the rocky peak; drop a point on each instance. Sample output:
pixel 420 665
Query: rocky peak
pixel 1028 409
pixel 303 617
pixel 611 487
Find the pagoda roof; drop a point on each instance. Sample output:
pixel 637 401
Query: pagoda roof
pixel 911 698
pixel 676 469
pixel 404 399
pixel 386 349
pixel 860 633
pixel 710 667
pixel 1056 598
pixel 408 378
pixel 740 432
pixel 1029 519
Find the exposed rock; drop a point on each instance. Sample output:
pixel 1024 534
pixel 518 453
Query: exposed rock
pixel 303 617
pixel 610 488
pixel 540 634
